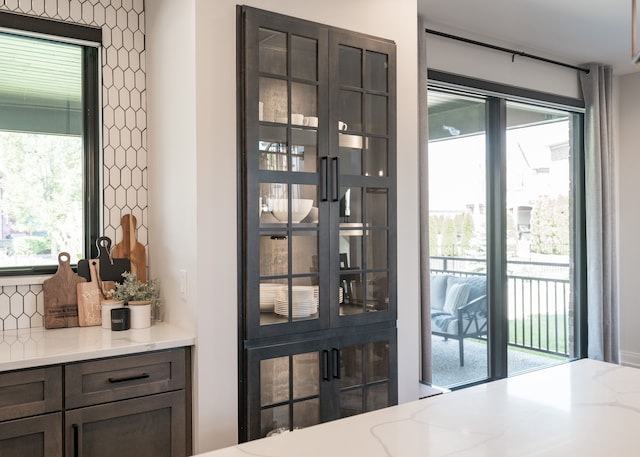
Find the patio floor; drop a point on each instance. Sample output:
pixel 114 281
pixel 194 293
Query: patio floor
pixel 448 373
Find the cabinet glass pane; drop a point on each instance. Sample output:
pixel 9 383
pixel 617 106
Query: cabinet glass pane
pixel 274 419
pixel 350 64
pixel 306 413
pixel 376 71
pixel 351 403
pixel 304 58
pixel 378 361
pixel 274 254
pixel 377 203
pixel 351 371
pixel 350 110
pixel 306 375
pixel 377 397
pixel 304 102
pixel 376 115
pixel 273 148
pixel 377 244
pixel 377 285
pixel 350 204
pixel 274 100
pixel 272 54
pixel 287 204
pixel 376 157
pixel 350 154
pixel 274 381
pixel 304 150
pixel 304 248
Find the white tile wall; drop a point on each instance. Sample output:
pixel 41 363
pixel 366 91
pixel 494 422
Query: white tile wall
pixel 124 127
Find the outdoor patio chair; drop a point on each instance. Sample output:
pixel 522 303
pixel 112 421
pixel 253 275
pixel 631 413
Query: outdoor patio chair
pixel 459 307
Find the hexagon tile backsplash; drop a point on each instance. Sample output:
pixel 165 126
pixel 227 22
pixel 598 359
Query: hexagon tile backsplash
pixel 124 127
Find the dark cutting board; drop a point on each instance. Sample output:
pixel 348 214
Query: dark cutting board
pixel 111 269
pixel 60 295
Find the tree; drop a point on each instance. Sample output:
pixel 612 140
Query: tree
pixel 550 229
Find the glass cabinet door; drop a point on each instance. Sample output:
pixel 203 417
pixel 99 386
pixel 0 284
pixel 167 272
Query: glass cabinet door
pixel 365 153
pixel 285 116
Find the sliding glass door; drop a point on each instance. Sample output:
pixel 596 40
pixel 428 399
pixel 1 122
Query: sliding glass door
pixel 503 229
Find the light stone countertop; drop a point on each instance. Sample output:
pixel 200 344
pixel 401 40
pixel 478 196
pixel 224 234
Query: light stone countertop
pixel 584 408
pixel 27 348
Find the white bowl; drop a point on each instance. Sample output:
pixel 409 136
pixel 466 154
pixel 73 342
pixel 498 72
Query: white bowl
pixel 300 207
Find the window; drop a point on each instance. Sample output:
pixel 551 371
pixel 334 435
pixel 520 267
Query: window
pixel 48 143
pixel 505 212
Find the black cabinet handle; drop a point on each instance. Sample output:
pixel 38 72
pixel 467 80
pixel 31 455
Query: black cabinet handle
pixel 325 365
pixel 336 363
pixel 76 439
pixel 335 171
pixel 324 179
pixel 128 378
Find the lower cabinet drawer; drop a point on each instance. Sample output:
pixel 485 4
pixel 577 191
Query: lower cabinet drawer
pixel 38 436
pixel 148 426
pixel 119 378
pixel 29 392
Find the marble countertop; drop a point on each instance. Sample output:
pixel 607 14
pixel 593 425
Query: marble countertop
pixel 28 348
pixel 584 408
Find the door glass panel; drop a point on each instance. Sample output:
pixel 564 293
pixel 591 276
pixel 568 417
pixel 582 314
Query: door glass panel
pixel 350 154
pixel 377 245
pixel 376 114
pixel 378 358
pixel 274 254
pixel 281 203
pixel 351 204
pixel 376 200
pixel 306 375
pixel 304 58
pixel 304 150
pixel 351 402
pixel 377 291
pixel 304 248
pixel 274 380
pixel 539 235
pixel 304 102
pixel 350 64
pixel 306 413
pixel 457 234
pixel 272 54
pixel 350 111
pixel 378 397
pixel 376 71
pixel 274 419
pixel 351 370
pixel 376 157
pixel 274 100
pixel 273 148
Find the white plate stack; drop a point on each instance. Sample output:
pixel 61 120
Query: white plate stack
pixel 268 294
pixel 304 301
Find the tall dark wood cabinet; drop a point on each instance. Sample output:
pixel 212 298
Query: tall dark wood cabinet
pixel 318 223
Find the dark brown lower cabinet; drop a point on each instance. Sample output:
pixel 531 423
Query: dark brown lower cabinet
pixel 133 405
pixel 32 437
pixel 152 426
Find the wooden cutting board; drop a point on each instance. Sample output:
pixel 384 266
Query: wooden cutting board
pixel 130 248
pixel 60 295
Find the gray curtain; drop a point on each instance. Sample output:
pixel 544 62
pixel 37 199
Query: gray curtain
pixel 600 214
pixel 423 130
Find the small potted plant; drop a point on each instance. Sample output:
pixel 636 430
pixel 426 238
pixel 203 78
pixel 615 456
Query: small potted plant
pixel 139 296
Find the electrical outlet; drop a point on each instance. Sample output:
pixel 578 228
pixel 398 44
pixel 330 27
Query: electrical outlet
pixel 183 284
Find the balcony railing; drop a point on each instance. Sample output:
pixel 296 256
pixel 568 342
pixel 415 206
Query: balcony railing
pixel 539 301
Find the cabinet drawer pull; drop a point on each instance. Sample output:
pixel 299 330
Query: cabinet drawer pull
pixel 76 440
pixel 335 171
pixel 128 378
pixel 336 363
pixel 325 365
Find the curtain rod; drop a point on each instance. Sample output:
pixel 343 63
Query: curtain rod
pixel 507 50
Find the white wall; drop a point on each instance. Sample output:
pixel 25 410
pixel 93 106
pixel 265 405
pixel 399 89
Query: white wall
pixel 628 165
pixel 191 63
